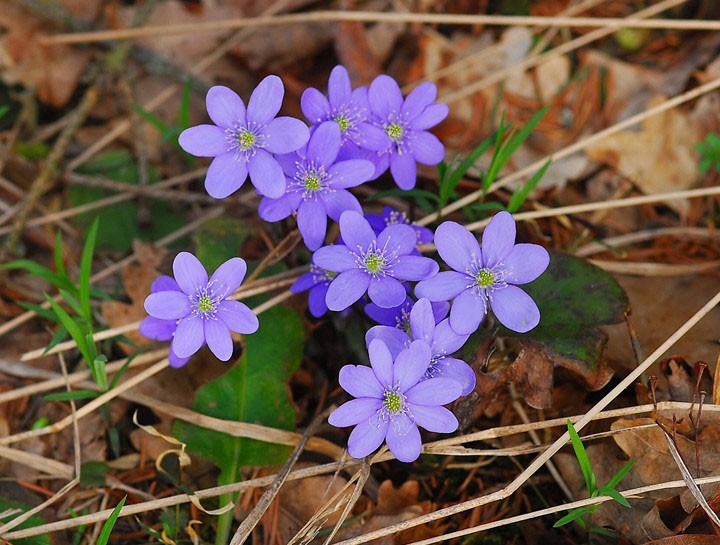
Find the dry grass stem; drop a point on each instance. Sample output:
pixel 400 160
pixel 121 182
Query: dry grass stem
pixel 614 243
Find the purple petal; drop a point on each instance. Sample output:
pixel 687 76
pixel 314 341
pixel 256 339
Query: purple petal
pixel 372 138
pixel 403 439
pixel 316 300
pixel 515 309
pixel 168 305
pixel 382 362
pixel 385 96
pixel 434 391
pixel 337 202
pixel 305 282
pixel 355 230
pixel 360 381
pixel 225 107
pixel 424 235
pixel 204 141
pixel 415 267
pixel 189 336
pixel 354 411
pixel 228 277
pixel 238 317
pixel 288 162
pixel 422 321
pixel 457 246
pixel 437 419
pixel 339 88
pixel 285 134
pixel 157 329
pixel 189 273
pixel 440 310
pixel 498 238
pixel 386 292
pixel 279 209
pixel 324 144
pixel 265 100
pixel 431 116
pixel 164 283
pixel 350 173
pixel 443 286
pixel 525 263
pixel 366 438
pixel 411 364
pixel 337 258
pixel 218 339
pixel 267 175
pixel 225 175
pixel 312 222
pixel 398 236
pixel 315 107
pixel 427 148
pixel 346 288
pixel 445 340
pixel 468 310
pixel 176 362
pixel 404 170
pixel 393 317
pixel 419 98
pixel 457 370
pixel 395 339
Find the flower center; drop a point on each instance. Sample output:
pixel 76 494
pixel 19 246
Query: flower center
pixel 246 139
pixel 205 304
pixel 394 131
pixel 485 278
pixel 393 401
pixel 374 262
pixel 312 181
pixel 343 122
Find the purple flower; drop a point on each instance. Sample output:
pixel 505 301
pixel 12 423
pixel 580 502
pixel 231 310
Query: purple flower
pixel 490 274
pixel 399 316
pixel 390 216
pixel 201 308
pixel 162 330
pixel 391 402
pixel 243 141
pixel 317 281
pixel 406 123
pixel 316 185
pixel 441 337
pixel 373 264
pixel 346 108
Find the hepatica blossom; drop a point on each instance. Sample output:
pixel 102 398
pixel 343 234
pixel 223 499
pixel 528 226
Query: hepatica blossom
pixel 392 401
pixel 375 264
pixel 316 185
pixel 346 108
pixel 406 123
pixel 243 140
pixel 316 280
pixel 390 216
pixel 441 338
pixel 487 275
pixel 162 330
pixel 200 307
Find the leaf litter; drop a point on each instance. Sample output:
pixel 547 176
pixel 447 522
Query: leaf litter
pixel 602 85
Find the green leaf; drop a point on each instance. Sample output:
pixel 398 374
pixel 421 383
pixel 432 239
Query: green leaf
pixel 614 494
pixel 521 193
pixel 73 328
pixel 104 536
pixel 220 239
pixel 86 270
pixel 582 458
pixel 58 256
pixel 575 297
pixel 72 395
pixel 615 479
pixel 93 474
pixel 254 390
pixel 573 515
pixel 32 522
pixel 603 531
pixel 57 280
pixel 450 180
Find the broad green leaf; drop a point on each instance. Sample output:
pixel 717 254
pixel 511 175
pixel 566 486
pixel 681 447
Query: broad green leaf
pixel 104 536
pixel 575 297
pixel 93 474
pixel 254 390
pixel 35 520
pixel 220 239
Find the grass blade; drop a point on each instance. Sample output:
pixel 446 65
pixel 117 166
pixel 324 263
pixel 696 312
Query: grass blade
pixel 104 536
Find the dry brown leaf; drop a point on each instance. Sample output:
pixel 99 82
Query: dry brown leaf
pixel 53 70
pixel 685 540
pixel 659 158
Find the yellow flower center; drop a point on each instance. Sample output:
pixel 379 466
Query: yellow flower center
pixel 343 122
pixel 205 304
pixel 393 402
pixel 485 278
pixel 374 262
pixel 394 131
pixel 246 140
pixel 312 181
